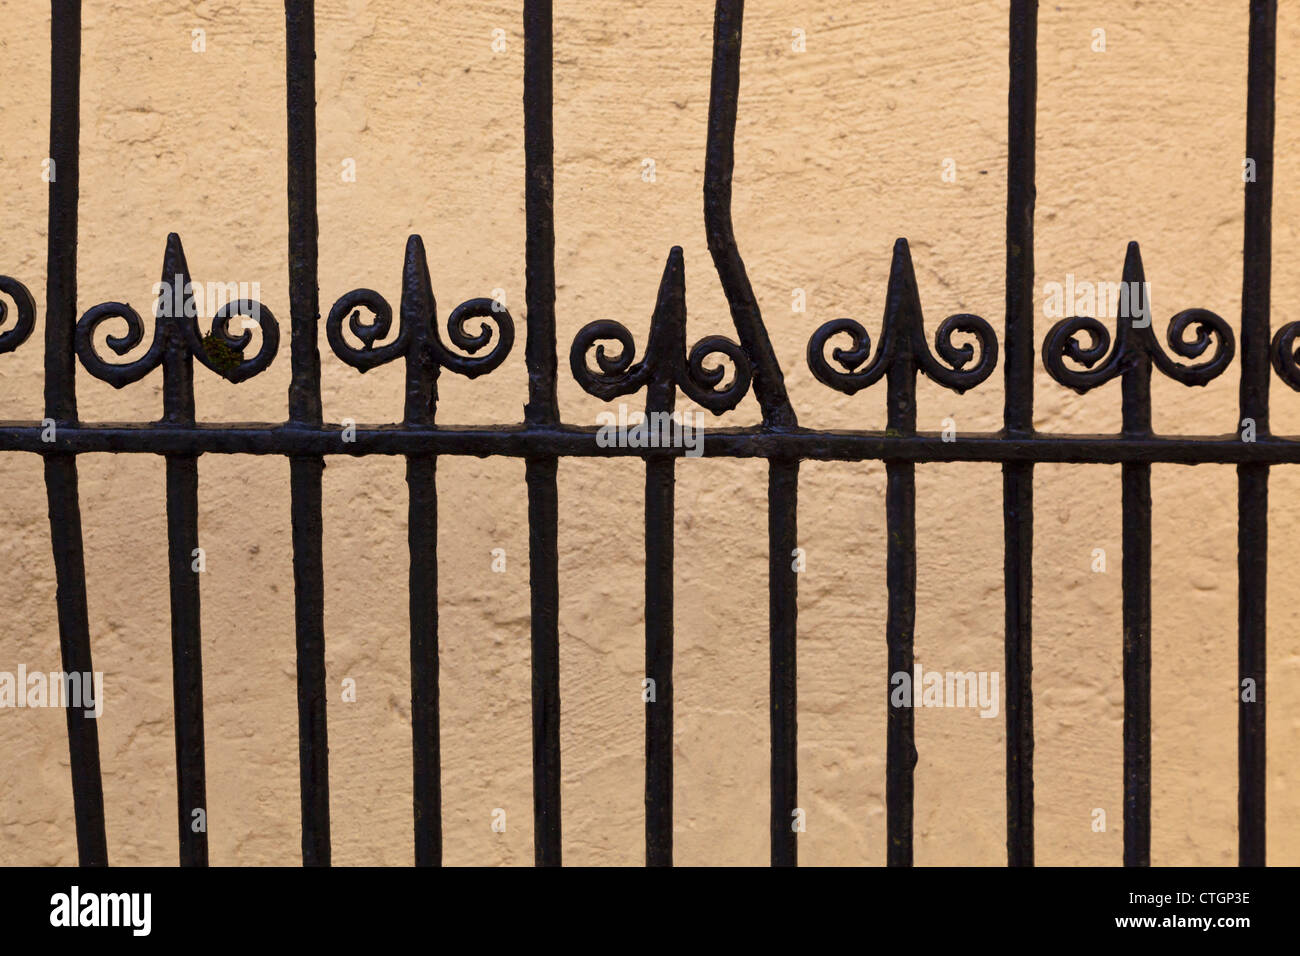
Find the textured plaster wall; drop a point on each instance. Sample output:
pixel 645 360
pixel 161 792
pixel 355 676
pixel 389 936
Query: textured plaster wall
pixel 839 151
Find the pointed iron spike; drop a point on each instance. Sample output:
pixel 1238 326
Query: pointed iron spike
pixel 1133 290
pixel 418 305
pixel 672 287
pixel 176 278
pixel 1133 263
pixel 902 300
pixel 667 340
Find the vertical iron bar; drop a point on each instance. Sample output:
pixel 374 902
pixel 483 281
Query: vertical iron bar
pixel 539 202
pixel 187 661
pixel 182 542
pixel 304 289
pixel 659 514
pixel 61 407
pixel 1018 477
pixel 542 409
pixel 305 472
pixel 1136 479
pixel 900 750
pixel 900 576
pixel 783 608
pixel 902 310
pixel 1136 483
pixel 543 579
pixel 422 540
pixel 661 395
pixel 422 371
pixel 309 612
pixel 1252 568
pixel 65 176
pixel 1252 479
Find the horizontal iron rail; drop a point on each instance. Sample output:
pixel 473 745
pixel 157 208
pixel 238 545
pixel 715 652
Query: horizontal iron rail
pixel 574 441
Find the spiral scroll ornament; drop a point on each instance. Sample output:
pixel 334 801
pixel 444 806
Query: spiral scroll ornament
pixel 221 349
pixel 24 321
pixel 852 367
pixel 1285 353
pixel 416 325
pixel 1084 365
pixel 698 374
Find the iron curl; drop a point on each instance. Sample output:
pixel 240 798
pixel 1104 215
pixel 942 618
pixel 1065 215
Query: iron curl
pixel 418 316
pixel 25 321
pixel 666 355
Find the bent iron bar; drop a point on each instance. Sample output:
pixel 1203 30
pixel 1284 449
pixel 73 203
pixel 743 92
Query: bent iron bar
pixel 769 386
pixel 61 407
pixel 542 440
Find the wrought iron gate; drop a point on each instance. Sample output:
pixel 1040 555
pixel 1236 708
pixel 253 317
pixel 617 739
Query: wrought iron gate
pixel 542 439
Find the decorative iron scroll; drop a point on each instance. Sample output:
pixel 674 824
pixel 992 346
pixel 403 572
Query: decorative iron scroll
pixel 1285 355
pixel 176 327
pixel 10 339
pixel 1135 340
pixel 666 354
pixel 902 340
pixel 418 317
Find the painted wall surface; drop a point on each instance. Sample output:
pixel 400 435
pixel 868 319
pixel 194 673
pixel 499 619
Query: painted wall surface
pixel 841 148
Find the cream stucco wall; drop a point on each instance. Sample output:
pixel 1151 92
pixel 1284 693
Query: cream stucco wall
pixel 839 151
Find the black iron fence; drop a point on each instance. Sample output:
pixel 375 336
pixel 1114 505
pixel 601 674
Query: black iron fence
pixel 965 354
